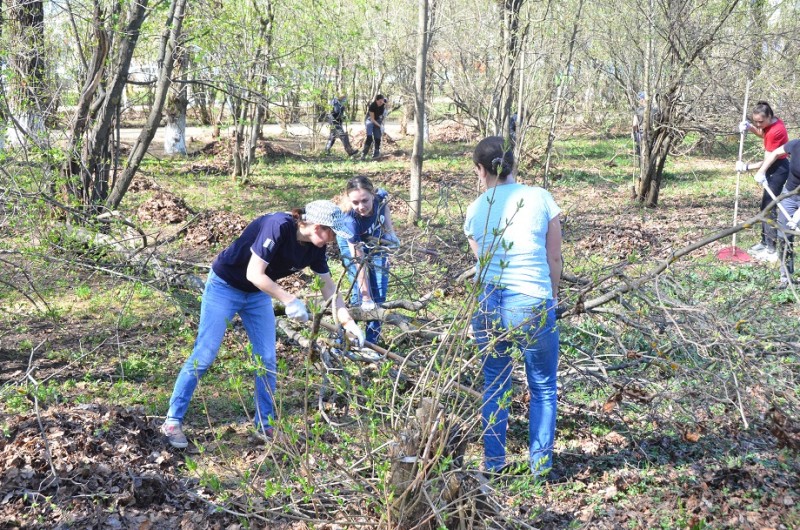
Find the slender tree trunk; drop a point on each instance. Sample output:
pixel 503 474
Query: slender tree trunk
pixel 261 70
pixel 177 104
pixel 88 168
pixel 27 95
pixel 502 110
pixel 218 122
pixel 565 77
pixel 423 41
pixel 169 43
pixel 237 171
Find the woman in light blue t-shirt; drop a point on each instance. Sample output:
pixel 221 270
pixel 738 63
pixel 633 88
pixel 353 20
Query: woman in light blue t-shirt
pixel 515 233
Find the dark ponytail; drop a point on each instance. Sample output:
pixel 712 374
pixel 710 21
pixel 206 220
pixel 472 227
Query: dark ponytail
pixel 496 156
pixel 763 108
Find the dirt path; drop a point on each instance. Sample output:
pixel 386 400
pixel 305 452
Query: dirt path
pixel 297 136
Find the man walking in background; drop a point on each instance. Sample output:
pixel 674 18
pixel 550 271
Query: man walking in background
pixel 335 119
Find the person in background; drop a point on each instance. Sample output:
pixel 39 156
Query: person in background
pixel 514 232
pixel 335 120
pixel 374 127
pixel 243 280
pixel 364 255
pixel 790 204
pixel 771 128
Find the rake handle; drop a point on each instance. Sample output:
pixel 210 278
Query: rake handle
pixel 741 150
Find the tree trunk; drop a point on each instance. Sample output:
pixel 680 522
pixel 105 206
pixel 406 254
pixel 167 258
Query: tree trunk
pixel 423 42
pixel 505 101
pixel 169 43
pixel 88 168
pixel 560 93
pixel 27 99
pixel 178 102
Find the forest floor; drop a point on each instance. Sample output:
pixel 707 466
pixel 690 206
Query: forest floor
pixel 89 357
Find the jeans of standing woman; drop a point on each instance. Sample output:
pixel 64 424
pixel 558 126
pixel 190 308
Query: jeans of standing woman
pixel 378 275
pixel 776 178
pixel 220 303
pixel 508 324
pixel 792 204
pixel 373 133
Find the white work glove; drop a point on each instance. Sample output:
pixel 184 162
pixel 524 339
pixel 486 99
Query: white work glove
pixel 794 221
pixel 744 126
pixel 367 304
pixel 760 178
pixel 352 328
pixel 296 309
pixel 742 167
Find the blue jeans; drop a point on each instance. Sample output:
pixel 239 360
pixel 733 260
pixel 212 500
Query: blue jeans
pixel 377 275
pixel 373 134
pixel 786 246
pixel 508 324
pixel 776 178
pixel 220 303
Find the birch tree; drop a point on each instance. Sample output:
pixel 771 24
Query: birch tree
pixel 423 43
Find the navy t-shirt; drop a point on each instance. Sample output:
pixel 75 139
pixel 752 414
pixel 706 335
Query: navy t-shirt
pixel 365 227
pixel 273 238
pixel 793 149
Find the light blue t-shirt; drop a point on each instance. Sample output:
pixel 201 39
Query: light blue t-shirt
pixel 509 223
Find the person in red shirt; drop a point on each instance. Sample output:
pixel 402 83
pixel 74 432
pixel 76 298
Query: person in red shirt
pixel 771 128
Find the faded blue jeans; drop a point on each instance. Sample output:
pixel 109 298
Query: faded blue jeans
pixel 220 303
pixel 378 275
pixel 509 325
pixel 786 240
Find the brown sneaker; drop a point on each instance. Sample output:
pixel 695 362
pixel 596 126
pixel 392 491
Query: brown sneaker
pixel 174 435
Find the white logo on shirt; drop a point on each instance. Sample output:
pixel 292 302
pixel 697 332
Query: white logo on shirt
pixel 268 244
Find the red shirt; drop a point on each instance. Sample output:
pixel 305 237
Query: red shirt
pixel 775 136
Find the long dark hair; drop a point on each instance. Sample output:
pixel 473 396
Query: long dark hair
pixel 763 108
pixel 495 155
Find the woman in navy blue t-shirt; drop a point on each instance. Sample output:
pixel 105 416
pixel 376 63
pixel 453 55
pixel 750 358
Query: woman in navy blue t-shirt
pixel 243 280
pixel 364 254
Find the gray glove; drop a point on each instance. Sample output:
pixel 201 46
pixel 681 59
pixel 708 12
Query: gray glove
pixel 760 178
pixel 296 309
pixel 742 167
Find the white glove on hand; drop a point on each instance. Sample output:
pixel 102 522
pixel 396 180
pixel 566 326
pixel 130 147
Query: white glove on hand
pixel 741 167
pixel 352 328
pixel 794 221
pixel 296 309
pixel 367 304
pixel 760 178
pixel 744 126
